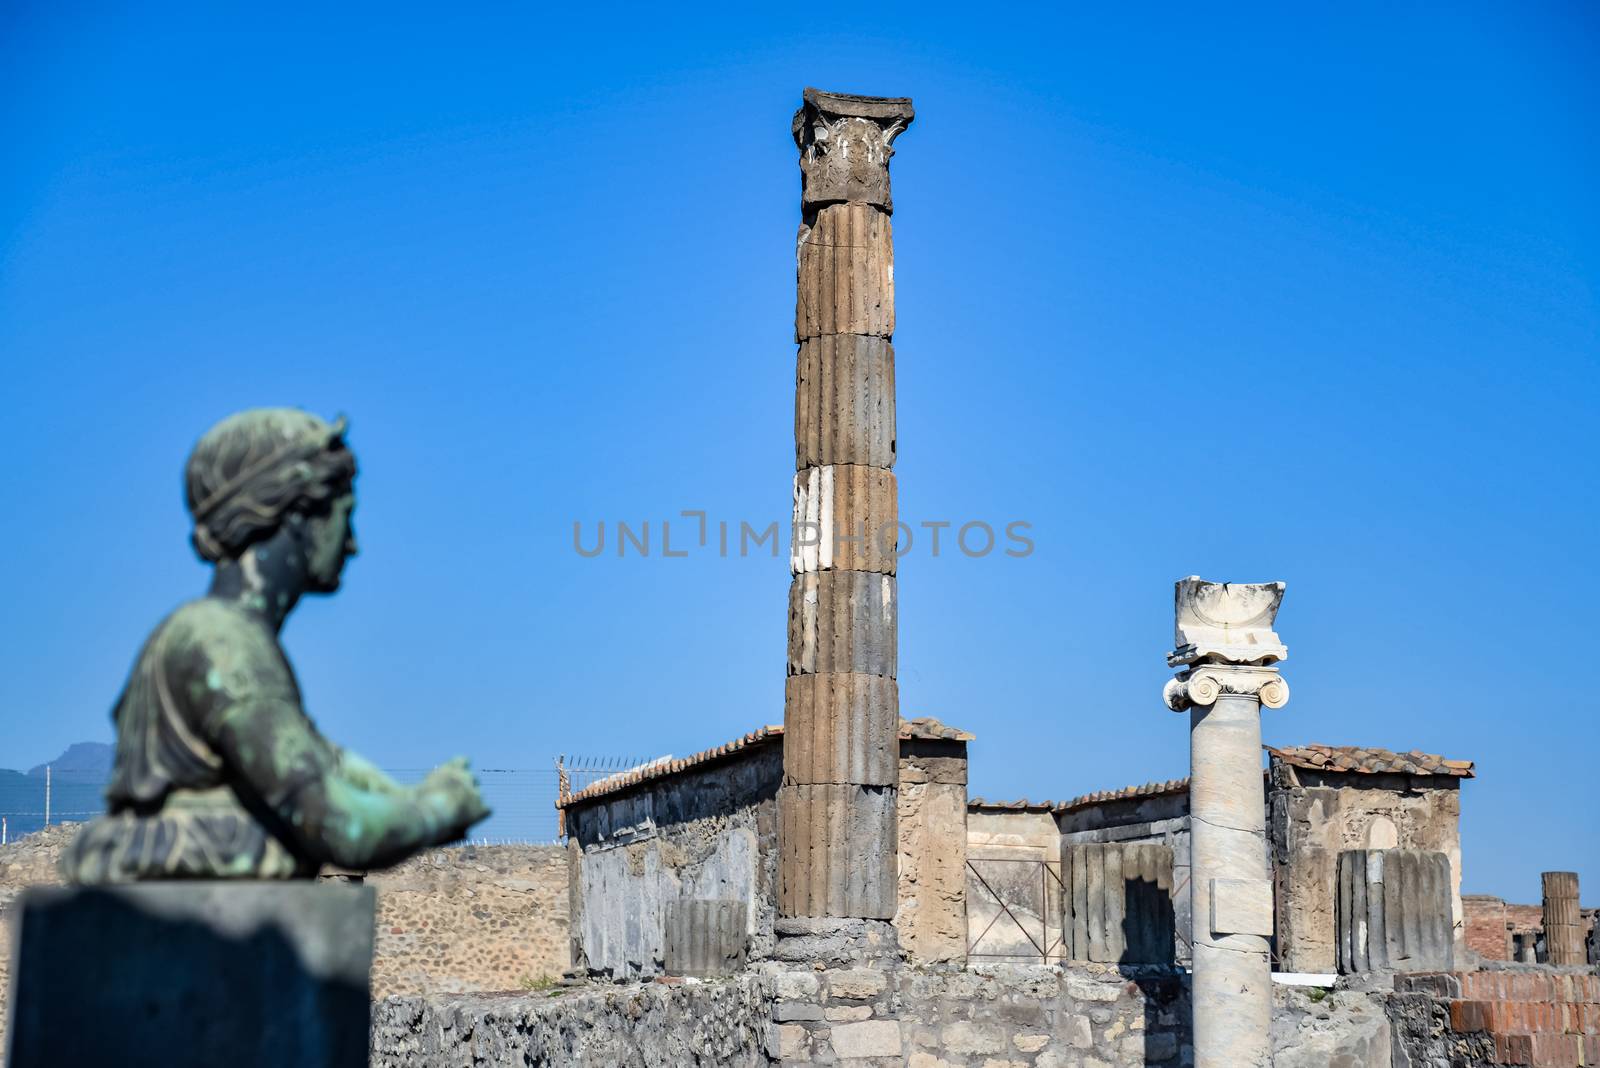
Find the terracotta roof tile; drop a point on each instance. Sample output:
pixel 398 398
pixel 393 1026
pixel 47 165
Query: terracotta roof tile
pixel 928 729
pixel 1126 793
pixel 923 728
pixel 1362 760
pixel 1023 805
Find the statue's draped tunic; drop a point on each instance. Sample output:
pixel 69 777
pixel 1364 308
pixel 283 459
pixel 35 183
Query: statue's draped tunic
pixel 212 744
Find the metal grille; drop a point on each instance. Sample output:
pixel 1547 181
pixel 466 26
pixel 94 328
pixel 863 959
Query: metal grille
pixel 1013 910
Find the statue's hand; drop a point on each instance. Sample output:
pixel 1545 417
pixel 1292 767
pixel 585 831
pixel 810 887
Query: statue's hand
pixel 452 792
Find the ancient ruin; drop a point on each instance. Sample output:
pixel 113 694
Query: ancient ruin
pixel 824 891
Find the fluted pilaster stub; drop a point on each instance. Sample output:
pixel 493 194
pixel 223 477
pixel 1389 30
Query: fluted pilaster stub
pixel 845 144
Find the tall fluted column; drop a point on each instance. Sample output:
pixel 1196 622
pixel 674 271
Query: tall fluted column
pixel 836 808
pixel 1226 646
pixel 1563 921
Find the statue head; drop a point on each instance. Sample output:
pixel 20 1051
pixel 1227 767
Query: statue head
pixel 268 470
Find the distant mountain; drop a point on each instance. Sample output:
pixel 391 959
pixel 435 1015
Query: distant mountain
pixel 80 759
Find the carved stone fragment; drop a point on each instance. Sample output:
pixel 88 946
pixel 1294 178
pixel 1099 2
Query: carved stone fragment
pixel 845 144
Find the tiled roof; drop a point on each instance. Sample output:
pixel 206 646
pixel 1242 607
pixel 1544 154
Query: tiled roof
pixel 923 728
pixel 1336 758
pixel 660 769
pixel 1023 805
pixel 1364 761
pixel 1128 793
pixel 928 729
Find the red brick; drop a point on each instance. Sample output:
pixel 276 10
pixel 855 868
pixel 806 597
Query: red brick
pixel 1468 1016
pixel 1556 1051
pixel 1513 1049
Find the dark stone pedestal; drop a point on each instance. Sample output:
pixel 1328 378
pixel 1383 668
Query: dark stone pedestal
pixel 239 975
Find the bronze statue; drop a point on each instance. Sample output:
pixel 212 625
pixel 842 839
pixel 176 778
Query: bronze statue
pixel 219 772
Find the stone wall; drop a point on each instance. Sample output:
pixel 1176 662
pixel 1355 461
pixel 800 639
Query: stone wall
pixel 932 917
pixel 649 1025
pixel 991 1016
pixel 707 834
pixel 27 861
pixel 986 1016
pixel 471 918
pixel 1016 860
pixel 1313 816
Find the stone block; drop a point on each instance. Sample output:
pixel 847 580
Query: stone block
pixel 1117 902
pixel 845 519
pixel 869 1038
pixel 1241 906
pixel 932 914
pixel 856 984
pixel 841 729
pixel 836 851
pixel 833 941
pixel 845 282
pixel 705 937
pixel 241 974
pixel 844 402
pixel 1393 911
pixel 843 621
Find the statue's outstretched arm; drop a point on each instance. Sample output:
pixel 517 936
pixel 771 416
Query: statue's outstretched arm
pixel 287 767
pixel 361 772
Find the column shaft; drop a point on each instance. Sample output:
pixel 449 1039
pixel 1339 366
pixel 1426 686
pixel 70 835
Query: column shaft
pixel 1563 923
pixel 837 806
pixel 1227 824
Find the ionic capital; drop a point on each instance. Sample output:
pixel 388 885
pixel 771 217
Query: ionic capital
pixel 1204 683
pixel 845 144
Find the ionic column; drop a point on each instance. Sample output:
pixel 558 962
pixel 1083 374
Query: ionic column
pixel 836 808
pixel 1226 646
pixel 1563 924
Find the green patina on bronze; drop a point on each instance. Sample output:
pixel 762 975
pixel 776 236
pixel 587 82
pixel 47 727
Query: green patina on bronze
pixel 219 772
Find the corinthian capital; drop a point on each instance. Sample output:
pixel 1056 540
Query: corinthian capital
pixel 1204 683
pixel 845 144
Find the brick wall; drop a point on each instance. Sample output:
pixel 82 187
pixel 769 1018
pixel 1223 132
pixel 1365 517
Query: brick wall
pixel 1541 1017
pixel 1486 932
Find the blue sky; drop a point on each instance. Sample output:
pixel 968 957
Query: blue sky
pixel 1236 294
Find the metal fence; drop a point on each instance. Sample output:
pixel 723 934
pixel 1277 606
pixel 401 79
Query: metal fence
pixel 522 799
pixel 1013 910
